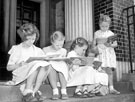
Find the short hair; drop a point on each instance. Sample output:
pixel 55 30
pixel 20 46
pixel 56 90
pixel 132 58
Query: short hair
pixel 57 36
pixel 104 18
pixel 80 41
pixel 28 29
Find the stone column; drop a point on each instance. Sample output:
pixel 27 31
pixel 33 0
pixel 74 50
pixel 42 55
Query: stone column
pixel 78 19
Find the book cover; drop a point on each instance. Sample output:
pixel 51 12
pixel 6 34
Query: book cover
pixel 84 60
pixel 112 38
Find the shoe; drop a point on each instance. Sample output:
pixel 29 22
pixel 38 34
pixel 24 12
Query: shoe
pixel 29 98
pixel 78 94
pixel 114 92
pixel 64 96
pixel 55 97
pixel 39 96
pixel 98 94
pixel 85 94
pixel 91 94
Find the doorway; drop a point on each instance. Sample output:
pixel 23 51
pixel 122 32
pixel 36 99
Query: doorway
pixel 27 12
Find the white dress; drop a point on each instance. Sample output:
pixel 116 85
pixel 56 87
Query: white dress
pixel 85 75
pixel 59 66
pixel 107 54
pixel 20 54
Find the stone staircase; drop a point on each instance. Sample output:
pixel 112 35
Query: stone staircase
pixel 12 94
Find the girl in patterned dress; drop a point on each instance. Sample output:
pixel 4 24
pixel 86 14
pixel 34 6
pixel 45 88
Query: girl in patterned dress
pixel 60 68
pixel 106 49
pixel 84 77
pixel 28 74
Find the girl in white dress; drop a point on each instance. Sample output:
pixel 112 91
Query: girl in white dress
pixel 106 49
pixel 29 75
pixel 84 77
pixel 60 68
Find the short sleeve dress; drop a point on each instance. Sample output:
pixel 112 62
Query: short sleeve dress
pixel 107 54
pixel 85 75
pixel 60 66
pixel 20 54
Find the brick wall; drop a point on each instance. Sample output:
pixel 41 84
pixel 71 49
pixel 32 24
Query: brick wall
pixel 114 9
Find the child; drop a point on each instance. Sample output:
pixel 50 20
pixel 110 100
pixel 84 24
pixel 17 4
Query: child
pixel 106 49
pixel 59 67
pixel 29 75
pixel 84 77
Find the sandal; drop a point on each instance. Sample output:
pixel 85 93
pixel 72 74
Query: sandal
pixel 29 98
pixel 114 92
pixel 78 94
pixel 90 94
pixel 39 96
pixel 85 94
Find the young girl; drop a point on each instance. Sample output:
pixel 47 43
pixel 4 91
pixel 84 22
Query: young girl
pixel 59 67
pixel 84 77
pixel 29 75
pixel 106 49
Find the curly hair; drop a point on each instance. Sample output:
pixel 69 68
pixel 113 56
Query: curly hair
pixel 80 41
pixel 28 29
pixel 57 35
pixel 104 18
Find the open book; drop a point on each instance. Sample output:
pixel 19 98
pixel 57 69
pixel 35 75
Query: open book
pixel 47 59
pixel 84 60
pixel 112 38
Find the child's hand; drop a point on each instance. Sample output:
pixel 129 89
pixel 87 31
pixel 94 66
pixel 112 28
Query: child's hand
pixel 107 44
pixel 74 67
pixel 76 61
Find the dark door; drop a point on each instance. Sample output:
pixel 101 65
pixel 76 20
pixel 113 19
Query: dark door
pixel 27 12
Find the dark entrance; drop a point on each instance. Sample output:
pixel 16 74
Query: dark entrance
pixel 27 12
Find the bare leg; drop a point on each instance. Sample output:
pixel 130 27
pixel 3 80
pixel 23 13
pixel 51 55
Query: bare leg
pixel 43 73
pixel 110 81
pixel 63 81
pixel 53 78
pixel 30 80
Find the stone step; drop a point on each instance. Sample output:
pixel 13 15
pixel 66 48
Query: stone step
pixel 13 94
pixel 127 97
pixel 128 77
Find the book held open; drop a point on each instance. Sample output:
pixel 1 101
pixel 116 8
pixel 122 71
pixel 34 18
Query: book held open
pixel 84 60
pixel 112 38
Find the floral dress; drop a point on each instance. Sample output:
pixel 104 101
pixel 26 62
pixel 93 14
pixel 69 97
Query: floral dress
pixel 85 75
pixel 106 54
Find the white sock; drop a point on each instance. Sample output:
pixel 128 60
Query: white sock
pixel 63 91
pixel 55 91
pixel 111 87
pixel 77 90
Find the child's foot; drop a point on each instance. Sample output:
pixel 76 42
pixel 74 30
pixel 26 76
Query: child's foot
pixel 85 94
pixel 39 96
pixel 113 91
pixel 78 94
pixel 29 98
pixel 91 94
pixel 64 96
pixel 55 97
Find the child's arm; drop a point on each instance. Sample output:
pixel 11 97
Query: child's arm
pixel 114 44
pixel 14 66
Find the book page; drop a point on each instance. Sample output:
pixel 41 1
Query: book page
pixel 47 59
pixel 112 38
pixel 84 60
